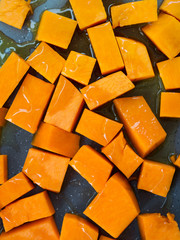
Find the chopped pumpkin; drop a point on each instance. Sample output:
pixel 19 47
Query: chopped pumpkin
pixel 56 140
pixel 156 177
pixel 88 12
pixel 106 89
pixel 106 48
pixel 165 34
pixel 122 155
pixel 169 71
pixel 79 67
pixel 46 169
pixel 75 227
pixel 134 13
pixel 14 188
pixel 46 61
pixel 65 106
pixel 155 226
pixel 11 74
pixel 3 112
pixel 29 105
pixel 56 29
pixel 43 229
pixel 3 169
pixel 136 59
pixel 177 162
pixel 169 105
pixel 171 7
pixel 97 128
pixel 14 13
pixel 143 128
pixel 95 168
pixel 27 209
pixel 115 207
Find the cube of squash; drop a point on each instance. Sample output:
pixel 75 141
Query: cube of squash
pixel 170 105
pixel 30 103
pixel 3 169
pixel 122 155
pixel 46 61
pixel 95 168
pixel 169 71
pixel 14 188
pixel 42 229
pixel 116 204
pixel 75 227
pixel 171 7
pixel 165 34
pixel 97 128
pixel 28 209
pixel 136 59
pixel 177 162
pixel 143 128
pixel 106 89
pixel 88 12
pixel 65 106
pixel 46 169
pixel 79 67
pixel 134 13
pixel 14 13
pixel 155 226
pixel 11 74
pixel 106 48
pixel 56 29
pixel 3 112
pixel 156 177
pixel 56 140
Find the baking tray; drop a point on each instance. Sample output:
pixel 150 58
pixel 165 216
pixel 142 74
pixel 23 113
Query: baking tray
pixel 76 193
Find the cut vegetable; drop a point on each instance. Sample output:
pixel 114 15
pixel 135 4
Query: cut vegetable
pixel 169 72
pixel 75 227
pixel 88 12
pixel 170 105
pixel 56 140
pixel 43 229
pixel 143 128
pixel 56 29
pixel 97 128
pixel 155 226
pixel 116 204
pixel 171 7
pixel 27 209
pixel 106 48
pixel 3 112
pixel 30 103
pixel 136 59
pixel 79 67
pixel 165 34
pixel 122 155
pixel 156 177
pixel 104 238
pixel 177 162
pixel 3 169
pixel 106 89
pixel 14 188
pixel 134 13
pixel 65 106
pixel 46 169
pixel 95 168
pixel 14 13
pixel 47 62
pixel 11 74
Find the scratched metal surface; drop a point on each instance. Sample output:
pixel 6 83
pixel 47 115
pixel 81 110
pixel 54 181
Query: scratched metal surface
pixel 76 193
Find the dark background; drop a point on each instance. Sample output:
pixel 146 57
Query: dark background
pixel 76 193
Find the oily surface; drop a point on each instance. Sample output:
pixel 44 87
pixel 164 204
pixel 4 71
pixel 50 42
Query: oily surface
pixel 76 193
